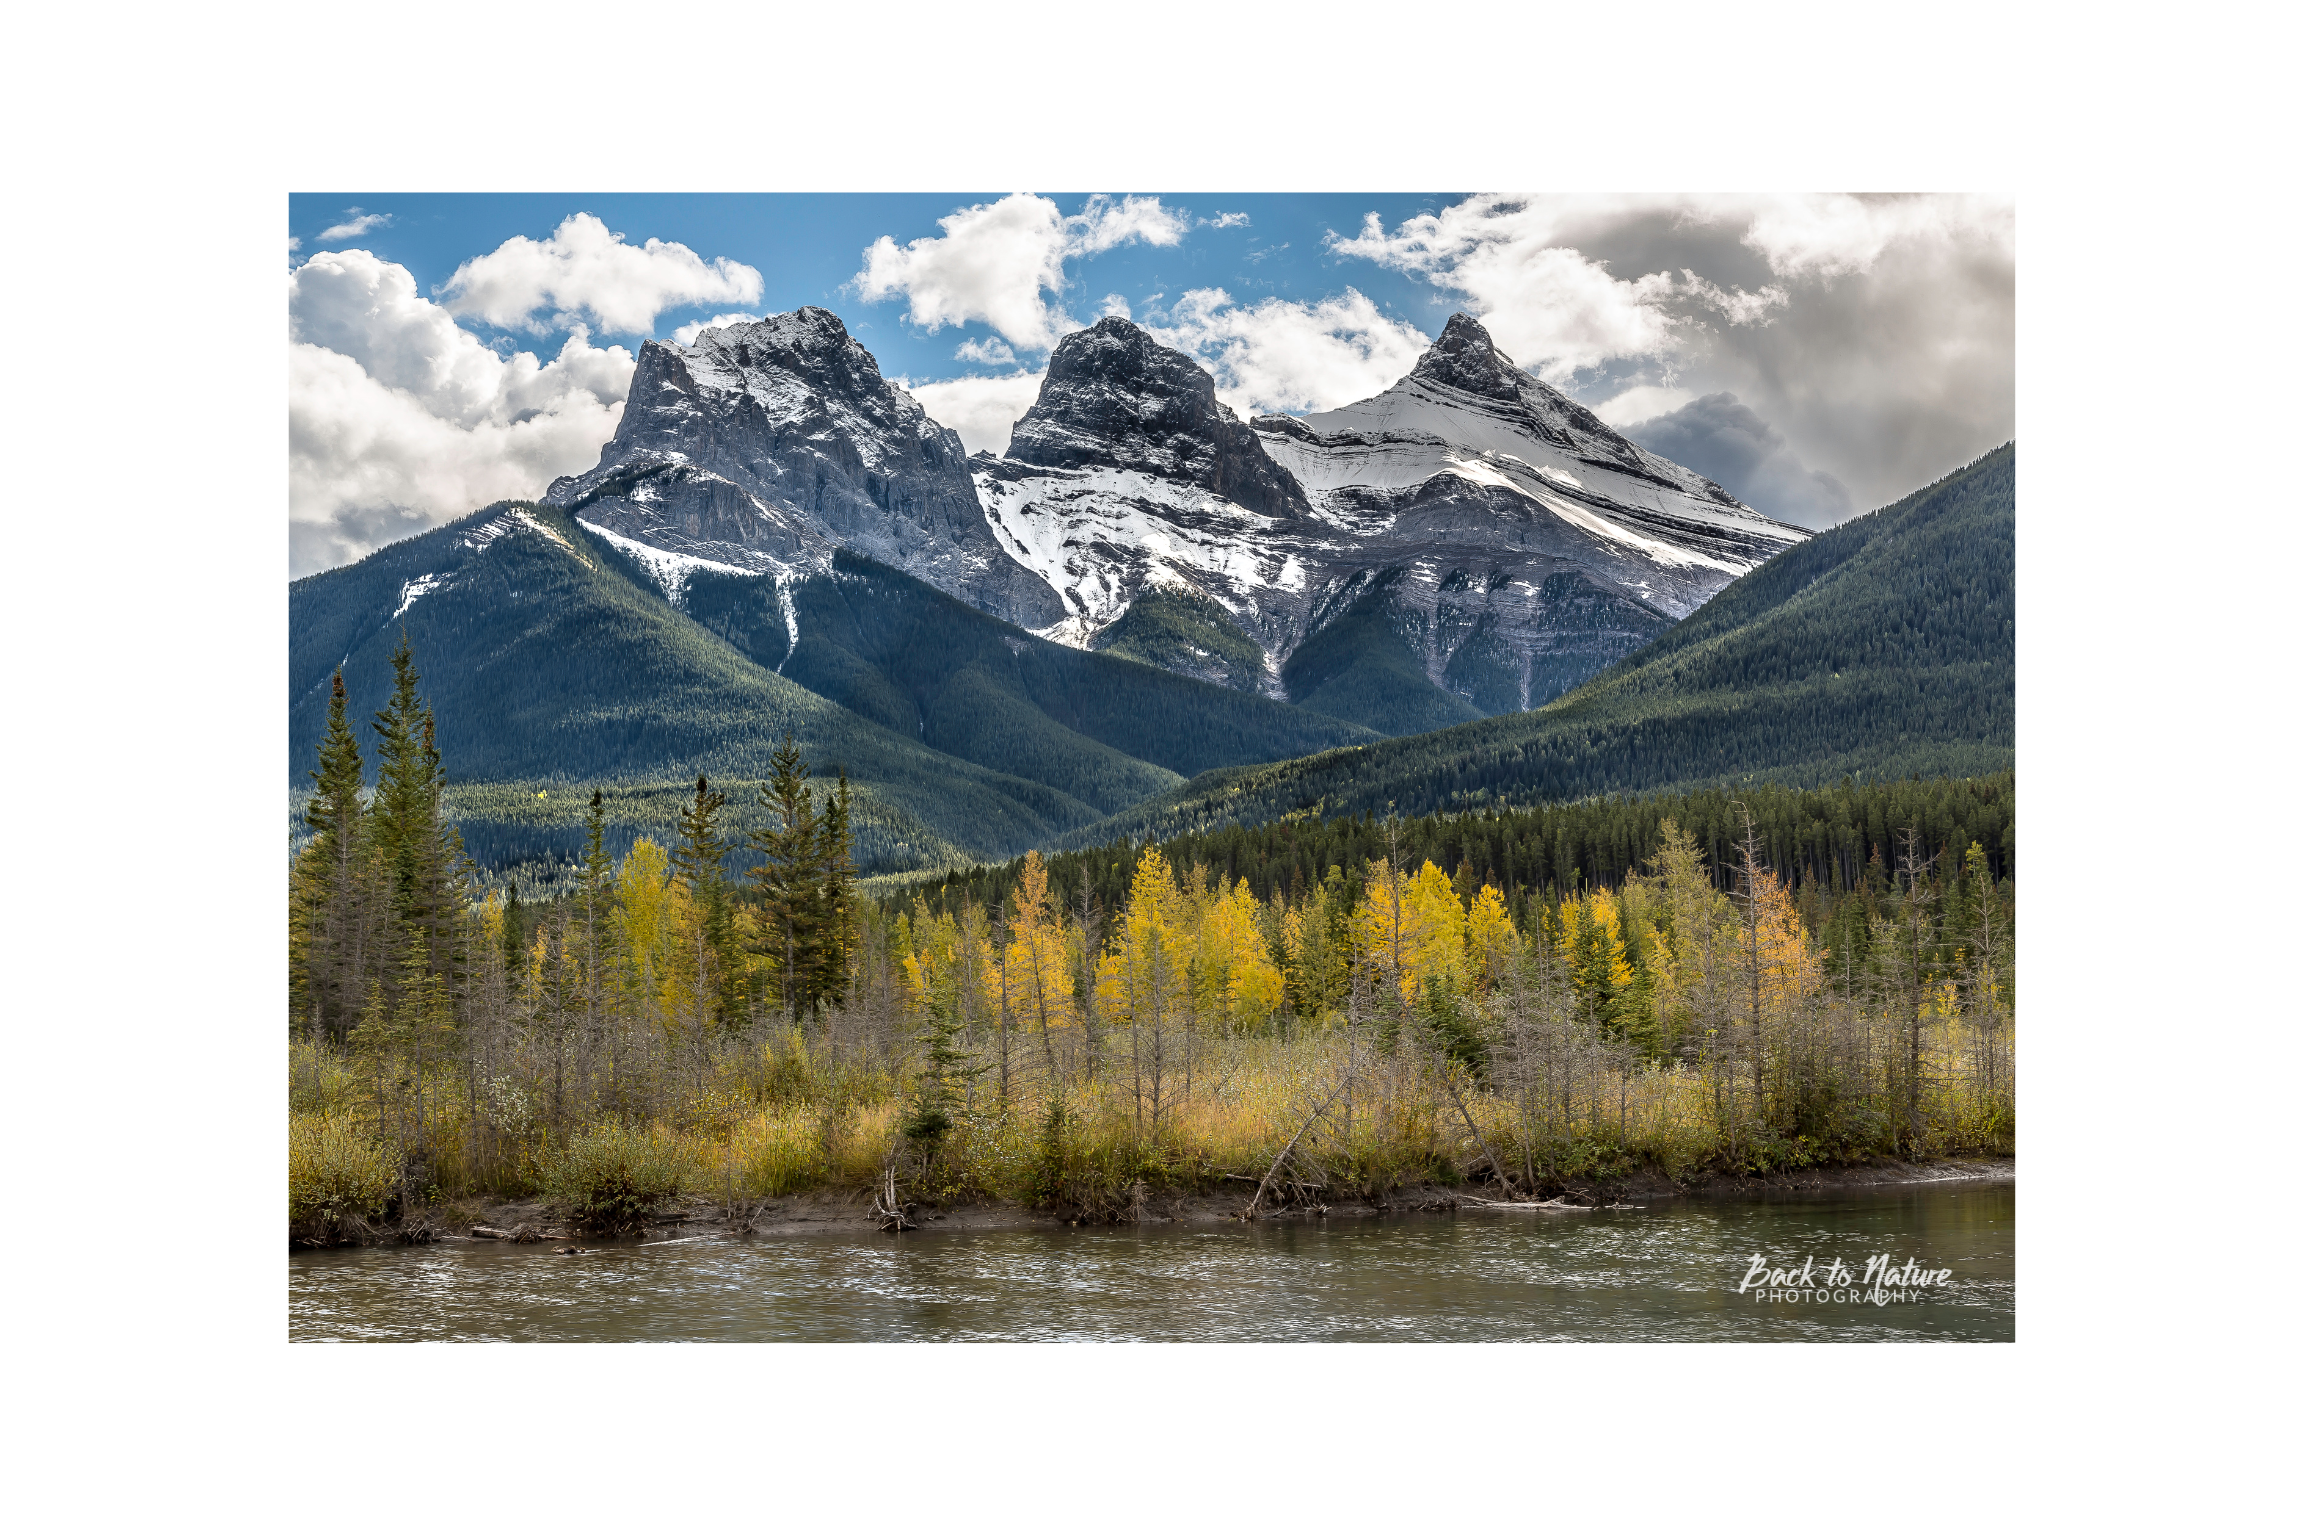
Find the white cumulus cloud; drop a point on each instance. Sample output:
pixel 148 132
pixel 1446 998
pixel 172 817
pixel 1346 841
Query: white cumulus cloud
pixel 1641 402
pixel 981 410
pixel 399 420
pixel 991 351
pixel 354 227
pixel 1282 355
pixel 585 270
pixel 1003 263
pixel 686 335
pixel 1875 333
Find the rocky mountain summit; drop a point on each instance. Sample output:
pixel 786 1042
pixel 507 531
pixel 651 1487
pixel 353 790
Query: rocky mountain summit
pixel 1116 399
pixel 765 446
pixel 1469 541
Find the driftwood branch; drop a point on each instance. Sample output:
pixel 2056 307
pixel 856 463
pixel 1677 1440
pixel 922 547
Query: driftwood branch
pixel 1270 1173
pixel 893 1213
pixel 1448 1080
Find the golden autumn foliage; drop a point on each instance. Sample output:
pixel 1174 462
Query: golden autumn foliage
pixel 1036 982
pixel 1414 929
pixel 1180 1038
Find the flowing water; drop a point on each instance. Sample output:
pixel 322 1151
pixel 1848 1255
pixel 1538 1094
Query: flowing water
pixel 1670 1271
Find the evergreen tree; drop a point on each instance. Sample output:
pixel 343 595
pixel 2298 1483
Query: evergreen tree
pixel 593 897
pixel 789 880
pixel 515 936
pixel 325 982
pixel 701 861
pixel 836 900
pixel 420 858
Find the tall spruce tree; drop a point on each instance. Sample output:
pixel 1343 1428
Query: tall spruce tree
pixel 409 839
pixel 700 860
pixel 836 900
pixel 326 979
pixel 788 880
pixel 593 888
pixel 515 936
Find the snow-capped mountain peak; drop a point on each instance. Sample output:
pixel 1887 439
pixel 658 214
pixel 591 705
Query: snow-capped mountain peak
pixel 767 445
pixel 1495 534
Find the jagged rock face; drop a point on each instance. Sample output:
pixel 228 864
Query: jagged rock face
pixel 1116 399
pixel 1505 535
pixel 767 445
pixel 1501 533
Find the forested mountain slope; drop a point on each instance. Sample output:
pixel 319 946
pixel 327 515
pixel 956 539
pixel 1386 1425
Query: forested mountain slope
pixel 1108 729
pixel 544 659
pixel 1882 648
pixel 554 653
pixel 1837 837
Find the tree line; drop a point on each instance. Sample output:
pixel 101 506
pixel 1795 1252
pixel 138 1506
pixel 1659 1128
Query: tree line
pixel 386 912
pixel 1399 1014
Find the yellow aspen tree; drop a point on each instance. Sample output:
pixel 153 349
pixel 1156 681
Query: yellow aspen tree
pixel 1144 980
pixel 679 1002
pixel 1248 986
pixel 1697 925
pixel 643 926
pixel 932 962
pixel 1490 942
pixel 1038 969
pixel 1413 928
pixel 1437 931
pixel 1382 925
pixel 1791 970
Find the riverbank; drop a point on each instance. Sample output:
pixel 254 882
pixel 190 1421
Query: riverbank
pixel 830 1212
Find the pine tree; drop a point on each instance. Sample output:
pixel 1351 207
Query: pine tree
pixel 515 937
pixel 326 980
pixel 699 861
pixel 592 895
pixel 835 866
pixel 789 880
pixel 421 859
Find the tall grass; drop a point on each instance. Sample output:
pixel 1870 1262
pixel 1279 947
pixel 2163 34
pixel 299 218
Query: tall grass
pixel 820 1111
pixel 338 1175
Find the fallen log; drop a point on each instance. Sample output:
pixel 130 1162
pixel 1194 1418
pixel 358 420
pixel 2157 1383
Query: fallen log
pixel 1556 1203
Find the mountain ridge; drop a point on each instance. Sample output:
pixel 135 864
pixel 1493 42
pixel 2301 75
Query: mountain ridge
pixel 1882 647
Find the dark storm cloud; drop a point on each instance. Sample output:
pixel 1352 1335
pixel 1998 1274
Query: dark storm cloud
pixel 351 534
pixel 1875 334
pixel 1722 437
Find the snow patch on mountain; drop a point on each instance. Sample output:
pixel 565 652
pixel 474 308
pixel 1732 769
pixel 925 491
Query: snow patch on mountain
pixel 410 591
pixel 1656 549
pixel 1095 535
pixel 670 570
pixel 516 520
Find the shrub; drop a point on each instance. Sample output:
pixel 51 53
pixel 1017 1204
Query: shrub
pixel 337 1175
pixel 610 1178
pixel 776 1152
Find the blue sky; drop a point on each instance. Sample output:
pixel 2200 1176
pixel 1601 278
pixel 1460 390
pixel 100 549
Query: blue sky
pixel 809 248
pixel 1819 355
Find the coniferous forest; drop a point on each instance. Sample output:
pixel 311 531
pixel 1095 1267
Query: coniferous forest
pixel 1744 980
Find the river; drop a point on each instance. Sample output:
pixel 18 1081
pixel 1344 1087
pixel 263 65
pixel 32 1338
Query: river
pixel 1670 1271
